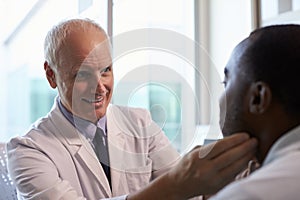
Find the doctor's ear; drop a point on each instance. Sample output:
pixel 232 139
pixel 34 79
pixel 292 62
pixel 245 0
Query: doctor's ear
pixel 50 75
pixel 260 97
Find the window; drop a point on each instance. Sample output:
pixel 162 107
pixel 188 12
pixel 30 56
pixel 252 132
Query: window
pixel 158 74
pixel 153 44
pixel 279 12
pixel 25 92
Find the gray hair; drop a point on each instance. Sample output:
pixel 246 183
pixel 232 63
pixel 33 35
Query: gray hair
pixel 57 36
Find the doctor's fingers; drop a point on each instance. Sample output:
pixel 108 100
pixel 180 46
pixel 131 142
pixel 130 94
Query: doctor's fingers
pixel 239 154
pixel 224 168
pixel 229 173
pixel 217 148
pixel 231 163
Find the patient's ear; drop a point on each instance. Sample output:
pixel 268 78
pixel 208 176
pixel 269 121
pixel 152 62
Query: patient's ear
pixel 260 97
pixel 50 75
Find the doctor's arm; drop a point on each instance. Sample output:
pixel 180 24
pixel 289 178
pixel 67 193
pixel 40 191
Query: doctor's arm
pixel 204 170
pixel 35 175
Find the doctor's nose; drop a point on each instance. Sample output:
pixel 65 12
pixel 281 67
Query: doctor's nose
pixel 98 84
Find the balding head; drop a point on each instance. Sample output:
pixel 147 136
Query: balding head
pixel 56 39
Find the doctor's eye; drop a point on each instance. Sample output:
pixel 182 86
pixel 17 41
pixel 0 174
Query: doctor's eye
pixel 82 75
pixel 106 71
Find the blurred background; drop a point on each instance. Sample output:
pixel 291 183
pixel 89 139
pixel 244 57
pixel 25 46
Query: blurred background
pixel 179 86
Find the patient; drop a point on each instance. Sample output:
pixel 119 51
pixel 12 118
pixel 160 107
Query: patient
pixel 262 98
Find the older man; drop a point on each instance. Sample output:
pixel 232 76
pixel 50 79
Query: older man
pixel 87 149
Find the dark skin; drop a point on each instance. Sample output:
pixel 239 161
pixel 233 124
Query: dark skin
pixel 264 115
pixel 250 106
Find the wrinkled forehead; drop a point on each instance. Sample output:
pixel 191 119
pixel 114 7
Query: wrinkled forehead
pixel 89 47
pixel 101 54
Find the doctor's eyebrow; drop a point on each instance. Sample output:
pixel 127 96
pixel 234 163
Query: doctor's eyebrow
pixel 105 69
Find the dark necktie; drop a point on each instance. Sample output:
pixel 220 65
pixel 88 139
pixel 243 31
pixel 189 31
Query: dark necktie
pixel 101 150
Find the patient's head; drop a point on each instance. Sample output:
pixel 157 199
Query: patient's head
pixel 261 93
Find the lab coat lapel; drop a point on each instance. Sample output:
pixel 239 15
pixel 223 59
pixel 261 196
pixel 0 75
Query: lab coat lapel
pixel 80 148
pixel 92 163
pixel 116 142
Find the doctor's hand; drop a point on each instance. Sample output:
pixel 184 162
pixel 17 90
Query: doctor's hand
pixel 204 170
pixel 207 169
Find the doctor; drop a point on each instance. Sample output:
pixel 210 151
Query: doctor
pixel 60 157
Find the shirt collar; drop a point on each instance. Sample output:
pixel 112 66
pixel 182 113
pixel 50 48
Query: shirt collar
pixel 286 143
pixel 85 127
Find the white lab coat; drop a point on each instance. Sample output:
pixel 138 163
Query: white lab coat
pixel 54 161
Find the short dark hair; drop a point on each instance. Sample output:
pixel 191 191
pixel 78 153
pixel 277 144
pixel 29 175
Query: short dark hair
pixel 273 56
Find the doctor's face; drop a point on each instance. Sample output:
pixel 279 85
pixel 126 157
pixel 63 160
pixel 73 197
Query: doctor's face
pixel 85 77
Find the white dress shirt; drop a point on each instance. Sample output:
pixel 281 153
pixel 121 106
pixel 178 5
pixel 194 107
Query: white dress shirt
pixel 278 178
